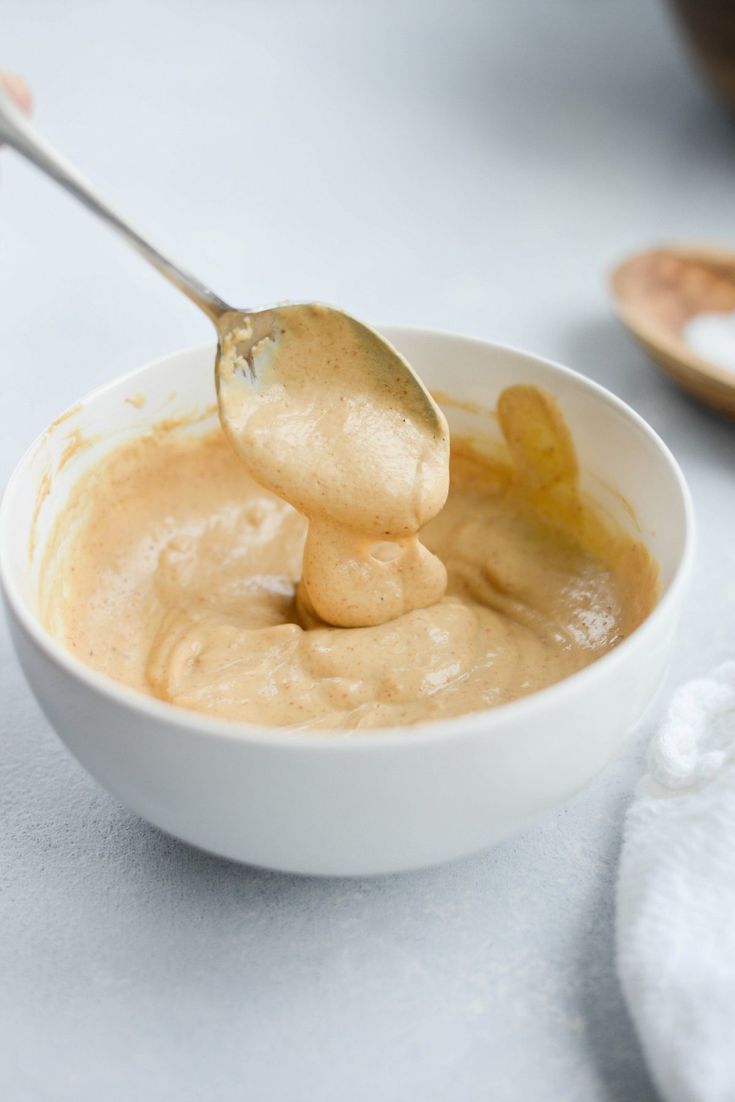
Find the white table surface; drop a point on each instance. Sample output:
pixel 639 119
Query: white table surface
pixel 476 166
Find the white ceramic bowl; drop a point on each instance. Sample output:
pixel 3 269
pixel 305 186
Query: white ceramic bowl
pixel 369 801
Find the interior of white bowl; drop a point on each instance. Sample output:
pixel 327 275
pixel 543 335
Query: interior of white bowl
pixel 625 467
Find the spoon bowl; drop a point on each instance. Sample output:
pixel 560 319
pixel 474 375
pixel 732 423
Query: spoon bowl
pixel 307 394
pixel 658 292
pixel 243 337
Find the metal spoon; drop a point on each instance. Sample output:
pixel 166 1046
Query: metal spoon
pixel 658 292
pixel 240 330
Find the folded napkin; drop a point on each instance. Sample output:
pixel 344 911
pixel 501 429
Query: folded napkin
pixel 676 896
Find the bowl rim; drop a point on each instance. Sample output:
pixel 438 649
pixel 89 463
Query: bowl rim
pixel 353 739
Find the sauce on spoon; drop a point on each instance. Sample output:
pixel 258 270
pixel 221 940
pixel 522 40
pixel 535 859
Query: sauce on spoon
pixel 325 414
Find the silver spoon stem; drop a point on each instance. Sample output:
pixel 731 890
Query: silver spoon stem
pixel 17 131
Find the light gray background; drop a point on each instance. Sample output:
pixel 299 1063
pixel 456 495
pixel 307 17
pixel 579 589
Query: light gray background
pixel 474 166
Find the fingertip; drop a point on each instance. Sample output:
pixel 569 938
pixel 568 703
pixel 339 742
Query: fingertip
pixel 18 89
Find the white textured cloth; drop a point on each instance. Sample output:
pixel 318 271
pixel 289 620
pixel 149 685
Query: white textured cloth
pixel 676 896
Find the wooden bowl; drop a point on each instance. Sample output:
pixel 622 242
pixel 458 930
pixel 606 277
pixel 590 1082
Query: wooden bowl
pixel 657 292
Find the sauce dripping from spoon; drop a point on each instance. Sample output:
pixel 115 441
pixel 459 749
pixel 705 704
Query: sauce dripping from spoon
pixel 326 414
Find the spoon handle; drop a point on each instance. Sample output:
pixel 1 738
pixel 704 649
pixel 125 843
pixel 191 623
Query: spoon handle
pixel 17 131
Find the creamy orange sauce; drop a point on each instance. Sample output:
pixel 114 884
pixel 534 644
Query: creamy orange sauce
pixel 174 572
